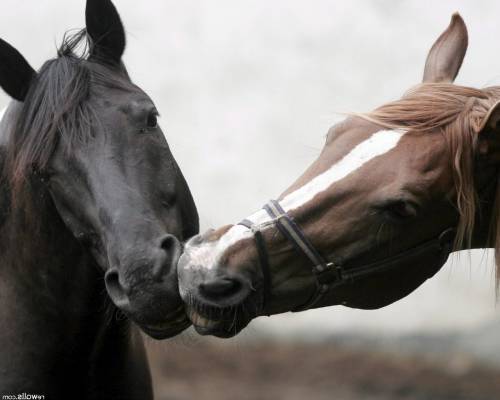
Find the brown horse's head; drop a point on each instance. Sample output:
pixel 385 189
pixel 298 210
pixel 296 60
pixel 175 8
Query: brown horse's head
pixel 383 189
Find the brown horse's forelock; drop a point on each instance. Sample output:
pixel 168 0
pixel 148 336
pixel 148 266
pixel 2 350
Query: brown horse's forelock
pixel 457 112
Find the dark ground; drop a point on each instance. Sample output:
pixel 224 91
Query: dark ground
pixel 201 369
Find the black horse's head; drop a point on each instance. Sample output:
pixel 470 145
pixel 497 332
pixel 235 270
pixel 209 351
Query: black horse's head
pixel 84 132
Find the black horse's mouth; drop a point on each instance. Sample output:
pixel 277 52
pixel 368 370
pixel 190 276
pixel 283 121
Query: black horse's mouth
pixel 174 323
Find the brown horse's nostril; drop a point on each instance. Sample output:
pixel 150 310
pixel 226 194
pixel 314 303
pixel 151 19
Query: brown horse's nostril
pixel 220 287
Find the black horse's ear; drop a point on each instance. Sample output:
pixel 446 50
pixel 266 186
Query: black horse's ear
pixel 105 28
pixel 15 72
pixel 488 142
pixel 446 55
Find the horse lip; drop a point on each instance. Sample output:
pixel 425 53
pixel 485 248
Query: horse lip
pixel 160 334
pixel 205 326
pixel 174 322
pixel 174 316
pixel 217 330
pixel 200 321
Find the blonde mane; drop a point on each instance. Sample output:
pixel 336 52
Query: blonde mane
pixel 458 113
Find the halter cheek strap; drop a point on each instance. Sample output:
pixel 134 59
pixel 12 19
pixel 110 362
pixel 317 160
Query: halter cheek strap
pixel 329 274
pixel 325 273
pixel 263 258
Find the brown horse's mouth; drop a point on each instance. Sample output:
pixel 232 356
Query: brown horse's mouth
pixel 175 322
pixel 220 322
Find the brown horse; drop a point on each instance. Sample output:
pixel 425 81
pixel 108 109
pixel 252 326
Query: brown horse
pixel 372 218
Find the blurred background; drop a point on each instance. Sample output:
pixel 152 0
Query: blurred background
pixel 247 90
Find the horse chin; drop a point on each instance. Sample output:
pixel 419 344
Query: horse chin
pixel 172 325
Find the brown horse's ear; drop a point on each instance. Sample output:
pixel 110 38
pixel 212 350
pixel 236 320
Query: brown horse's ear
pixel 489 134
pixel 447 53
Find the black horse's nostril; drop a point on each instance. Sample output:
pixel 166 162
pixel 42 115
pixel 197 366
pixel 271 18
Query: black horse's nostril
pixel 116 290
pixel 167 260
pixel 220 287
pixel 170 244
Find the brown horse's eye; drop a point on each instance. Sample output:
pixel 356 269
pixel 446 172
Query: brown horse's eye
pixel 152 121
pixel 399 210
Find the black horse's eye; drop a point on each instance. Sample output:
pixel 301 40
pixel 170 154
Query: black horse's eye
pixel 169 200
pixel 43 175
pixel 152 121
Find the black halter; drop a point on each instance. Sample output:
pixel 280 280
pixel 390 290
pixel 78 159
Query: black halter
pixel 329 274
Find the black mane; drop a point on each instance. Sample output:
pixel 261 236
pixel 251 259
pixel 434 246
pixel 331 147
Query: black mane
pixel 57 104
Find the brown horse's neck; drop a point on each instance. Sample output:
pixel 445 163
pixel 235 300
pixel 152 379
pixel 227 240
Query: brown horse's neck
pixel 488 187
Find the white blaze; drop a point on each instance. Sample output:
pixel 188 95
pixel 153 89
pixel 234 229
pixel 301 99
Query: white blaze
pixel 379 143
pixel 206 254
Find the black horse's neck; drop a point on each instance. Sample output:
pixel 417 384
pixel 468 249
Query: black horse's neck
pixel 55 317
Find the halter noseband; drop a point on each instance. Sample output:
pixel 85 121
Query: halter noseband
pixel 329 274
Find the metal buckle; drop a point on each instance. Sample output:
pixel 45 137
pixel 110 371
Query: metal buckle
pixel 328 273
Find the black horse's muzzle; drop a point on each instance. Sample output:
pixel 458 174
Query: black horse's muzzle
pixel 144 286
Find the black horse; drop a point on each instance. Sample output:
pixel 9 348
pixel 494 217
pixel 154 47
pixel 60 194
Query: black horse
pixel 91 201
